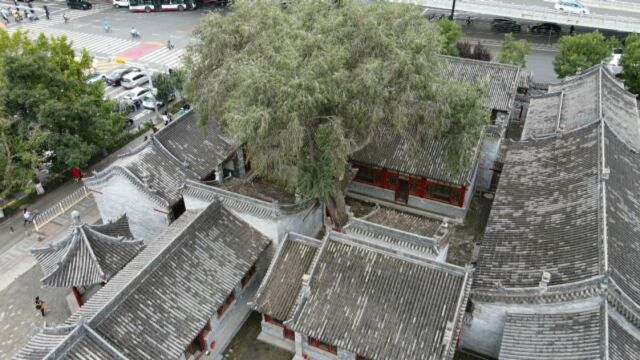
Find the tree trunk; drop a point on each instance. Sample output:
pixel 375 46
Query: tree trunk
pixel 338 209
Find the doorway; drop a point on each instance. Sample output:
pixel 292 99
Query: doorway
pixel 402 191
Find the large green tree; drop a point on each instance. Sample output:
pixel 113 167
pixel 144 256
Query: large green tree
pixel 514 52
pixel 631 63
pixel 451 34
pixel 48 106
pixel 581 52
pixel 307 84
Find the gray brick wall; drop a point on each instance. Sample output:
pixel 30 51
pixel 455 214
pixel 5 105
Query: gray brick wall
pixel 118 196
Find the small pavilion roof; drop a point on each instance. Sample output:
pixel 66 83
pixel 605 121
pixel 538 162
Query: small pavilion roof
pixel 88 255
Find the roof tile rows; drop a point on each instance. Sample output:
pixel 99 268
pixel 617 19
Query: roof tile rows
pixel 545 214
pixel 155 305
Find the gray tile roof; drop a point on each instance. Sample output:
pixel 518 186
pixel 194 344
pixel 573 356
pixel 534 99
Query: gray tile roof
pixel 545 214
pixel 88 255
pixel 591 330
pixel 277 293
pixel 504 80
pixel 201 147
pixel 400 220
pixel 624 338
pixel 393 150
pixel 623 215
pixel 429 246
pixel 580 100
pixel 553 336
pixel 381 303
pixel 161 299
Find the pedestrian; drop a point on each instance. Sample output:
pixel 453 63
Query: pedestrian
pixel 170 116
pixel 572 30
pixel 46 12
pixel 65 17
pixel 40 305
pixel 77 174
pixel 145 138
pixel 26 14
pixel 27 215
pixel 15 2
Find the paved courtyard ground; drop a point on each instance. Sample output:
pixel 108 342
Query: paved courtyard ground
pixel 246 346
pixel 19 320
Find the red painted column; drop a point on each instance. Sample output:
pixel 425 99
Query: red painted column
pixel 202 342
pixel 76 294
pixel 463 191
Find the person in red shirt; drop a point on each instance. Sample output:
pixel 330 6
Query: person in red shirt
pixel 76 174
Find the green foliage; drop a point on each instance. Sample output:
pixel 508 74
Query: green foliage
pixel 451 33
pixel 306 85
pixel 514 52
pixel 477 52
pixel 581 52
pixel 168 84
pixel 47 105
pixel 631 63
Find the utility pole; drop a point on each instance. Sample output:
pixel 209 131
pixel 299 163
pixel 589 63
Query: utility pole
pixel 453 10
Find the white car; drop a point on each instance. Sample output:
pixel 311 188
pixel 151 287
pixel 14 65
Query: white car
pixel 149 101
pixel 134 79
pixel 135 96
pixel 572 6
pixel 120 3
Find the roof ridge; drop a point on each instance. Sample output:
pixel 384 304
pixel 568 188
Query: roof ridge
pixel 109 239
pixel 113 169
pixel 398 252
pixel 384 230
pixel 480 62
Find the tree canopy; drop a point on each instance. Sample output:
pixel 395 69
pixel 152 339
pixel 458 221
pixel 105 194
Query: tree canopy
pixel 451 33
pixel 581 52
pixel 46 105
pixel 631 63
pixel 514 51
pixel 307 84
pixel 168 84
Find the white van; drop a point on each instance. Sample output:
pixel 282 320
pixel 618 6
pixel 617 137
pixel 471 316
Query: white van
pixel 572 6
pixel 120 3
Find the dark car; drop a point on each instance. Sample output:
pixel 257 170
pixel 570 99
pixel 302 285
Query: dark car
pixel 505 25
pixel 546 28
pixel 116 75
pixel 79 4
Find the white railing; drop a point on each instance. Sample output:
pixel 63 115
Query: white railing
pixel 58 209
pixel 534 13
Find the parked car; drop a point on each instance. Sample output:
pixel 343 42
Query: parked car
pixel 614 65
pixel 135 96
pixel 506 26
pixel 149 99
pixel 546 28
pixel 79 4
pixel 95 77
pixel 571 6
pixel 134 79
pixel 114 77
pixel 120 3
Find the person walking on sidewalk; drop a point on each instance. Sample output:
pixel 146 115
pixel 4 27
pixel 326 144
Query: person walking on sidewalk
pixel 40 305
pixel 77 174
pixel 27 215
pixel 46 11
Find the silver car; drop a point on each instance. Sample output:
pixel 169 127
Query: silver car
pixel 134 79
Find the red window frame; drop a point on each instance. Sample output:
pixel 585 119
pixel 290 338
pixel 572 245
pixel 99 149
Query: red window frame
pixel 273 321
pixel 322 346
pixel 227 303
pixel 455 197
pixel 248 276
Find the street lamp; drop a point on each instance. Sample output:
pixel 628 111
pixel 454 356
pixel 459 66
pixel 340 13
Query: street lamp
pixel 453 9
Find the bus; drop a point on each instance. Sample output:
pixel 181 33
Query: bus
pixel 161 5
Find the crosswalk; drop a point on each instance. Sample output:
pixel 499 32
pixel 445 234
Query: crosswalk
pixel 164 57
pixel 101 45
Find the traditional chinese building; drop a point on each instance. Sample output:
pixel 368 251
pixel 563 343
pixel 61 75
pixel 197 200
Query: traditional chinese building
pixel 557 274
pixel 182 296
pixel 145 182
pixel 369 293
pixel 391 173
pixel 89 255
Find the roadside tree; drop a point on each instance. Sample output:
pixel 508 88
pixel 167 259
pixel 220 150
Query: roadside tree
pixel 514 52
pixel 49 107
pixel 451 34
pixel 306 85
pixel 631 63
pixel 168 84
pixel 581 52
